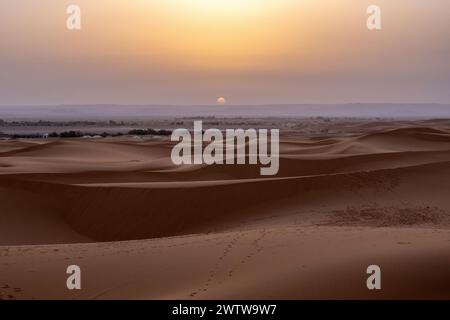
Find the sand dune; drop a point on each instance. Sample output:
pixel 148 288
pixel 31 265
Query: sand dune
pixel 120 208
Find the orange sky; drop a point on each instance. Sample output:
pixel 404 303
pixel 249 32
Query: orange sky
pixel 254 51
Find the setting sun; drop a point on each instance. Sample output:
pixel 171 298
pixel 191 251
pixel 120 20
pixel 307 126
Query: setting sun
pixel 221 101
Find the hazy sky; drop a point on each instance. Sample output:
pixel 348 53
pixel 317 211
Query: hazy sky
pixel 249 51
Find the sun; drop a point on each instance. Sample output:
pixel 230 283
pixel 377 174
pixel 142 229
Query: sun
pixel 221 101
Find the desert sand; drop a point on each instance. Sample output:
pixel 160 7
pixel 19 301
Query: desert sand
pixel 141 228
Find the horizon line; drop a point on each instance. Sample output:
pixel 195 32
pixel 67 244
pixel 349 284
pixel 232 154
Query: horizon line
pixel 226 105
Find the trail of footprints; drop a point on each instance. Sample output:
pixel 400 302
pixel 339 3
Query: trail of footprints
pixel 217 270
pixel 8 292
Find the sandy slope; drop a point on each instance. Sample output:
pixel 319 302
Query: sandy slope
pixel 281 262
pixel 338 204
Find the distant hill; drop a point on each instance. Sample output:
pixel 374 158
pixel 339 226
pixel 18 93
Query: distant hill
pixel 358 110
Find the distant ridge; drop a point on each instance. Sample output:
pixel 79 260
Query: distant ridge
pixel 112 111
